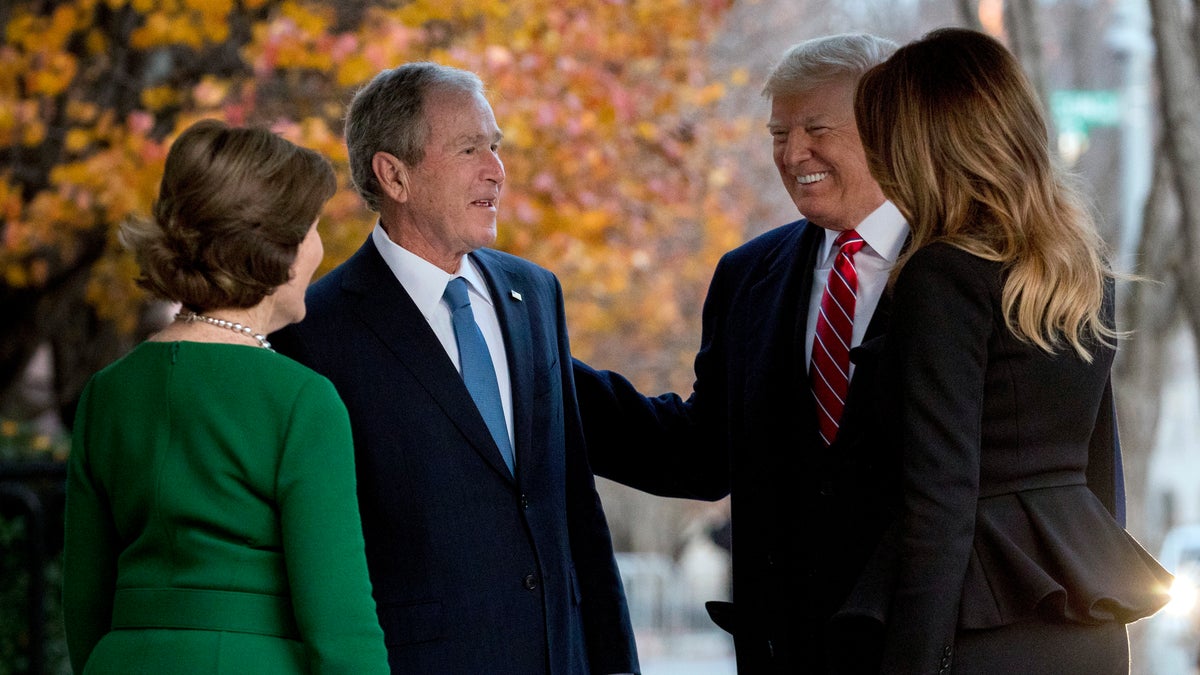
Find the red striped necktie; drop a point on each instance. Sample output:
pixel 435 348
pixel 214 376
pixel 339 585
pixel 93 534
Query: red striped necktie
pixel 830 372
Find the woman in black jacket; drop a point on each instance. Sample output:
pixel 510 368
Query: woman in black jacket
pixel 1005 558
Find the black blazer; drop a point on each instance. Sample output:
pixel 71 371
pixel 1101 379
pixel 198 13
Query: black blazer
pixel 1006 517
pixel 473 571
pixel 805 518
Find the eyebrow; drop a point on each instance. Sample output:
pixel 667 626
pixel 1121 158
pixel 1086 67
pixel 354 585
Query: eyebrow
pixel 472 139
pixel 822 119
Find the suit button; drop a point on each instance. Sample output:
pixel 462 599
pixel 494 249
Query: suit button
pixel 530 582
pixel 524 501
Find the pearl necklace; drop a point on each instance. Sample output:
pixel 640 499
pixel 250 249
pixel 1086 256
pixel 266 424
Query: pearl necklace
pixel 189 317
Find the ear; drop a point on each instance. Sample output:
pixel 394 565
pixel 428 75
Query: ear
pixel 392 175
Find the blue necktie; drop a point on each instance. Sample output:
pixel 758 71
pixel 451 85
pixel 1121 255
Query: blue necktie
pixel 477 369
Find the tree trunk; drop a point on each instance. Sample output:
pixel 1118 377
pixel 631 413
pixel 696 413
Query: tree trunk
pixel 1148 308
pixel 1179 84
pixel 1021 25
pixel 1178 69
pixel 968 12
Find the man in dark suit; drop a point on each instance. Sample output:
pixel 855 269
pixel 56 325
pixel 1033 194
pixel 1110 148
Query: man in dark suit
pixel 486 542
pixel 813 488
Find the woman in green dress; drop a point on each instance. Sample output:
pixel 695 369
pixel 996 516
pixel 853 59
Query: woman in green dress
pixel 212 524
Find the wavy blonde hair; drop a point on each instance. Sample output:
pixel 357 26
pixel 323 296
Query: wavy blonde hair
pixel 955 136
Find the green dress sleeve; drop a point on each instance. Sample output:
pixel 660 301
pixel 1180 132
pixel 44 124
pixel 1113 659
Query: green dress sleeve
pixel 322 538
pixel 90 550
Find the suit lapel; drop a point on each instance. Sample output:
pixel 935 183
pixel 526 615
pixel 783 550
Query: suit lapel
pixel 779 297
pixel 382 304
pixel 778 304
pixel 803 264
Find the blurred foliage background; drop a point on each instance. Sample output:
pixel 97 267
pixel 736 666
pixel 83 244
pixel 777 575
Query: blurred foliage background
pixel 617 165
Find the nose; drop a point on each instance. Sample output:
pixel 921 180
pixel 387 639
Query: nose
pixel 494 171
pixel 796 150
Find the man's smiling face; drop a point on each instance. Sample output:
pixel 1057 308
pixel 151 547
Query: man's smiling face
pixel 820 157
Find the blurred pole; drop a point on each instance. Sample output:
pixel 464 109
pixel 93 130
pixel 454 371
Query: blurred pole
pixel 1130 39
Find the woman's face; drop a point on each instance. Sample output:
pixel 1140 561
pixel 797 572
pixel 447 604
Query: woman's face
pixel 289 298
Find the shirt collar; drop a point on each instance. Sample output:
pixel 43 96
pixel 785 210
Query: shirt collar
pixel 424 281
pixel 884 230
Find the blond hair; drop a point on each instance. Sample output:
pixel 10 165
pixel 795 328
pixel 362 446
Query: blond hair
pixel 955 136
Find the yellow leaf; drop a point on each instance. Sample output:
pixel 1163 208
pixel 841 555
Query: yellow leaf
pixel 63 24
pixel 96 42
pixel 309 19
pixel 14 275
pixel 210 7
pixel 77 139
pixel 355 70
pixel 216 30
pixel 33 133
pixel 157 98
pixel 152 32
pixel 710 94
pixel 647 130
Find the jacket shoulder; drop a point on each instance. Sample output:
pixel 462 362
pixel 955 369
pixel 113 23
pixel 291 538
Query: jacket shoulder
pixel 518 269
pixel 511 263
pixel 948 259
pixel 784 237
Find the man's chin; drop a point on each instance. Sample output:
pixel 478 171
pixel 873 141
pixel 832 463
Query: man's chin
pixel 811 210
pixel 487 238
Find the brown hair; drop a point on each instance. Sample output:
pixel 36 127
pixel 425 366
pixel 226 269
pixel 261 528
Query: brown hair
pixel 232 209
pixel 955 136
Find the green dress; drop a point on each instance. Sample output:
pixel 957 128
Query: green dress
pixel 212 524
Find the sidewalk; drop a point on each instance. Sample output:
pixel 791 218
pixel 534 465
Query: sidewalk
pixel 694 653
pixel 687 666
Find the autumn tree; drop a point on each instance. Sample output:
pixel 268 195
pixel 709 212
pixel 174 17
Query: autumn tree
pixel 616 178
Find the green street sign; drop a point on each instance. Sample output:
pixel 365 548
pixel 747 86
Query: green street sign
pixel 1080 109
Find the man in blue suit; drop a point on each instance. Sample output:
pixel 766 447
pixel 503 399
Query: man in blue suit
pixel 486 542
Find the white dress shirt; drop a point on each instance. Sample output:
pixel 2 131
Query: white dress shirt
pixel 884 232
pixel 425 284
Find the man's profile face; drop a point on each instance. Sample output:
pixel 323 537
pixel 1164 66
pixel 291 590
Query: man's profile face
pixel 454 193
pixel 820 158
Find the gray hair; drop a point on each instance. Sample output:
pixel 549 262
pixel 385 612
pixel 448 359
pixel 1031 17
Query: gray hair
pixel 826 59
pixel 388 115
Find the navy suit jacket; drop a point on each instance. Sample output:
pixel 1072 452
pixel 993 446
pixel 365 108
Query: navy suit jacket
pixel 806 518
pixel 473 570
